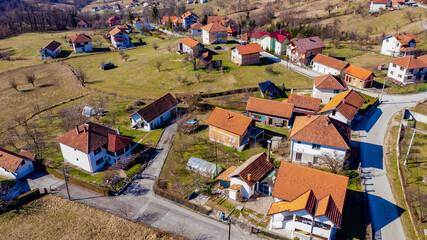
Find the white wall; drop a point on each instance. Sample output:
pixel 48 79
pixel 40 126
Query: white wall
pixel 375 7
pixel 21 172
pixel 205 36
pixel 87 47
pixel 76 157
pixel 308 153
pixel 325 94
pixel 245 189
pixel 390 46
pixel 44 53
pixel 404 76
pixel 318 67
pixel 125 42
pixel 155 123
pixel 338 116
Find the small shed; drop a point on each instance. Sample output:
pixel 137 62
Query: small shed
pixel 203 167
pixel 88 111
pixel 224 179
pixel 276 141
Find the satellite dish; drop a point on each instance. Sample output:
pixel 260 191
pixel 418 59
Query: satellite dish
pixel 424 24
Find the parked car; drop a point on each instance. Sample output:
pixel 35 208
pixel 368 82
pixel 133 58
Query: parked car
pixel 107 66
pixel 415 5
pixel 217 48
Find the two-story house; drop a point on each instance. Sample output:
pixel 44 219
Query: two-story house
pixel 358 77
pixel 119 39
pixel 327 86
pixel 314 138
pixel 246 54
pixel 15 166
pixel 399 45
pixel 91 146
pixel 407 70
pixel 214 33
pixel 81 43
pixel 303 105
pixel 343 106
pixel 232 129
pixel 304 194
pixel 113 21
pixel 378 5
pixel 51 50
pixel 275 41
pixel 303 50
pixel 190 46
pixel 328 65
pixel 155 114
pixel 196 29
pixel 188 19
pixel 270 112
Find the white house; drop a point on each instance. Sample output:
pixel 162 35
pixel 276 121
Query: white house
pixel 343 106
pixel 399 45
pixel 14 166
pixel 276 41
pixel 315 137
pixel 188 19
pixel 304 194
pixel 189 46
pixel 119 39
pixel 378 5
pixel 51 50
pixel 327 86
pixel 407 70
pixel 155 114
pixel 91 146
pixel 81 43
pixel 196 29
pixel 328 65
pixel 82 24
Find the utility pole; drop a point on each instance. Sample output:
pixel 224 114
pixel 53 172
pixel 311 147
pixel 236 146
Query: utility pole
pixel 409 149
pixel 382 91
pixel 66 183
pixel 229 228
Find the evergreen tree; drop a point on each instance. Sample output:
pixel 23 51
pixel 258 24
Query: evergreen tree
pixel 73 16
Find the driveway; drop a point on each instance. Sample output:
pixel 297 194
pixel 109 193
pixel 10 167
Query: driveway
pixel 304 71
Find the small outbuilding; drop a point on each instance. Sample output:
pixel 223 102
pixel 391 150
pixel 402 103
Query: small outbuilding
pixel 203 167
pixel 89 111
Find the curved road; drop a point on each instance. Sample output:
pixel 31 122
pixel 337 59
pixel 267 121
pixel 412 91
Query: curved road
pixel 384 212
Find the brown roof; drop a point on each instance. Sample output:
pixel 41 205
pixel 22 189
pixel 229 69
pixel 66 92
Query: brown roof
pixel 347 103
pixel 79 38
pixel 257 166
pixel 187 14
pixel 10 160
pixel 305 102
pixel 27 154
pixel 225 175
pixel 81 23
pixel 235 187
pixel 231 29
pixel 306 44
pixel 410 62
pixel 167 18
pixel 157 108
pixel 321 130
pixel 330 62
pixel 329 81
pixel 249 48
pixel 405 38
pixel 125 27
pixel 294 180
pixel 214 27
pixel 116 142
pixel 196 26
pixel 115 31
pixel 216 19
pixel 52 46
pixel 229 121
pixel 270 107
pixel 358 72
pixel 189 42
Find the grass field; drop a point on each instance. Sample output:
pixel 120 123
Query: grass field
pixel 52 217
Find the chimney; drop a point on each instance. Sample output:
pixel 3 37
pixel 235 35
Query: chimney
pixel 77 129
pixel 249 177
pixel 268 150
pixel 118 131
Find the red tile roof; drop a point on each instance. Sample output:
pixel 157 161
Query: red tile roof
pixel 380 1
pixel 196 26
pixel 166 19
pixel 256 166
pixel 410 62
pixel 116 142
pixel 405 38
pixel 52 46
pixel 214 27
pixel 330 62
pixel 358 72
pixel 270 107
pixel 347 103
pixel 329 81
pixel 229 121
pixel 28 154
pixel 79 38
pixel 187 14
pixel 157 108
pixel 216 19
pixel 250 48
pixel 231 29
pixel 225 175
pixel 189 42
pixel 280 36
pixel 81 23
pixel 305 102
pixel 116 31
pixel 10 160
pixel 321 130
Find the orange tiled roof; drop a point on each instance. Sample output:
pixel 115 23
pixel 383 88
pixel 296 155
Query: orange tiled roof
pixel 249 48
pixel 321 130
pixel 81 23
pixel 187 14
pixel 229 121
pixel 224 175
pixel 330 62
pixel 196 26
pixel 270 107
pixel 410 62
pixel 235 187
pixel 358 72
pixel 347 103
pixel 405 38
pixel 10 160
pixel 216 19
pixel 231 29
pixel 329 81
pixel 214 27
pixel 167 18
pixel 257 166
pixel 115 31
pixel 380 1
pixel 28 154
pixel 189 42
pixel 79 38
pixel 305 102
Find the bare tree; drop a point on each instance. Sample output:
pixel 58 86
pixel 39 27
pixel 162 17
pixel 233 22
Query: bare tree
pixel 409 14
pixel 181 79
pixel 111 179
pixel 194 57
pixel 81 76
pixel 70 117
pixel 198 76
pixel 13 84
pixel 125 209
pixel 159 65
pixel 123 55
pixel 333 162
pixel 329 8
pixel 30 79
pixel 396 28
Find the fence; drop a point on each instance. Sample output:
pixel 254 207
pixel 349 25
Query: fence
pixel 21 200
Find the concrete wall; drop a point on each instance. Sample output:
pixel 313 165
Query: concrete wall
pixel 325 94
pixel 81 159
pixel 308 153
pixel 318 67
pixel 404 75
pixel 337 115
pixel 81 47
pixel 208 38
pixel 245 189
pixel 265 119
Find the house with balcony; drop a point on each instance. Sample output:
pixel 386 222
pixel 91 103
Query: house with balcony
pixel 275 41
pixel 303 105
pixel 232 129
pixel 358 77
pixel 214 33
pixel 188 19
pixel 92 147
pixel 343 106
pixel 51 50
pixel 119 38
pixel 303 50
pixel 399 45
pixel 327 86
pixel 328 65
pixel 15 166
pixel 308 203
pixel 246 54
pixel 81 43
pixel 270 112
pixel 408 70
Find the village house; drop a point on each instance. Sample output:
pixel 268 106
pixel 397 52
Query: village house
pixel 246 54
pixel 81 43
pixel 303 105
pixel 51 50
pixel 216 19
pixel 269 89
pixel 214 33
pixel 378 5
pixel 344 106
pixel 82 24
pixel 232 31
pixel 168 19
pixel 113 21
pixel 328 65
pixel 244 180
pixel 232 129
pixel 196 29
pixel 155 114
pixel 327 86
pixel 275 41
pixel 15 166
pixel 358 77
pixel 398 3
pixel 126 28
pixel 190 46
pixel 303 50
pixel 305 194
pixel 119 39
pixel 408 70
pixel 270 112
pixel 314 138
pixel 399 45
pixel 92 147
pixel 188 19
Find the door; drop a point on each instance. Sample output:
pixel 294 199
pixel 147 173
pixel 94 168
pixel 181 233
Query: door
pixel 270 121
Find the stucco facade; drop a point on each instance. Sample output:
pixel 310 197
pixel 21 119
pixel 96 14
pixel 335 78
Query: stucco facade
pixel 120 40
pixel 404 75
pixel 266 119
pixel 376 7
pixel 82 47
pixel 23 170
pixel 214 37
pixel 318 67
pixel 310 153
pixel 391 47
pixel 246 191
pixel 140 123
pixel 325 94
pixel 46 53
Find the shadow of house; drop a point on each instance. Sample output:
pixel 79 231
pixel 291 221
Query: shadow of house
pixel 373 157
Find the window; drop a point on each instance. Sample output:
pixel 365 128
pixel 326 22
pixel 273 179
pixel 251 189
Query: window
pixel 334 112
pixel 22 163
pixel 97 151
pixel 336 91
pixel 315 160
pixel 386 40
pixel 315 146
pixel 399 76
pixel 401 68
pixel 421 69
pixel 298 156
pixel 99 161
pixel 391 72
pixel 394 65
pixel 213 34
pixel 409 77
pixel 231 139
pixel 310 53
pixel 299 141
